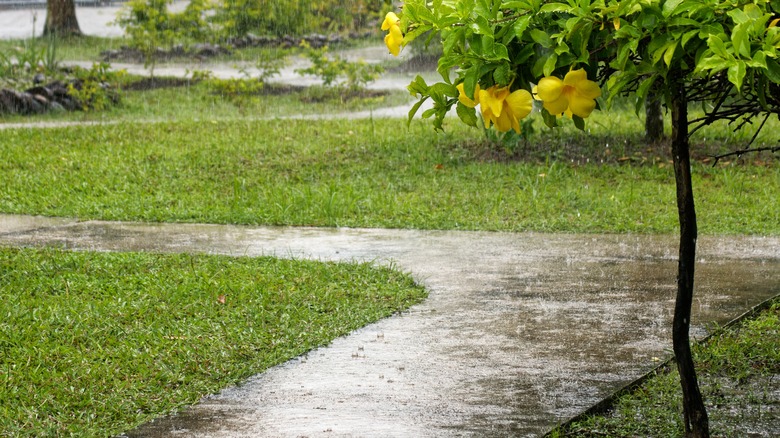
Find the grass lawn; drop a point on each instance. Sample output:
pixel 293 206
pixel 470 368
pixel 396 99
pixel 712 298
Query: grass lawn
pixel 737 370
pixel 369 173
pixel 92 344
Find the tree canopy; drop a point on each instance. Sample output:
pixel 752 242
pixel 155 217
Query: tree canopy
pixel 726 52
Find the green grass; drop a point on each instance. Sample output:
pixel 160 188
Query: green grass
pixel 737 372
pixel 366 173
pixel 92 344
pixel 84 48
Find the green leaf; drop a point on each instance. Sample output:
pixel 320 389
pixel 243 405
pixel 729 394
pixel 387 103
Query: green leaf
pixel 502 74
pixel 467 115
pixel 687 36
pixel 549 119
pixel 772 70
pixel 579 37
pixel 414 110
pixel 758 61
pixel 446 63
pixel 549 65
pixel 500 52
pixel 440 91
pixel 451 40
pixel 670 6
pixel 624 50
pixel 713 64
pixel 710 29
pixel 555 7
pixel 736 74
pixel 411 36
pixel 418 86
pixel 738 16
pixel 521 24
pixel 718 47
pixel 481 26
pixel 579 122
pixel 540 37
pixel 642 92
pixel 669 53
pixel 470 80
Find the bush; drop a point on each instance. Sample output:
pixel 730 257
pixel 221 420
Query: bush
pixel 330 68
pixel 150 25
pixel 296 17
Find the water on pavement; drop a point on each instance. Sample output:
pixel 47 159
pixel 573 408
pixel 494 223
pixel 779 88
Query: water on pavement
pixel 521 330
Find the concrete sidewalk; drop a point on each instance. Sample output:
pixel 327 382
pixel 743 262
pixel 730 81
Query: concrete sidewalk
pixel 520 332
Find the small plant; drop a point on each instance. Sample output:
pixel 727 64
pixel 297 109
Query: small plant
pixel 270 63
pixel 331 68
pixel 200 75
pixel 22 63
pixel 239 91
pixel 151 26
pixel 95 88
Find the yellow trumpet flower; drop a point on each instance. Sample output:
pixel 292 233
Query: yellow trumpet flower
pixel 575 94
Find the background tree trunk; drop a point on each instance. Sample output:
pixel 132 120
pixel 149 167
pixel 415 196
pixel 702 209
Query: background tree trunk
pixel 654 119
pixel 61 18
pixel 694 412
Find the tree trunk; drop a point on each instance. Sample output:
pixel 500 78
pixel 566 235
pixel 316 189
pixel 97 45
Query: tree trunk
pixel 654 119
pixel 694 412
pixel 61 18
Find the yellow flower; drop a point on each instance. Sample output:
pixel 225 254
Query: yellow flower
pixel 616 23
pixel 394 38
pixel 390 20
pixel 465 99
pixel 502 108
pixel 575 94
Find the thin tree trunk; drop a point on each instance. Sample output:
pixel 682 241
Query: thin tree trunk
pixel 695 414
pixel 654 119
pixel 61 18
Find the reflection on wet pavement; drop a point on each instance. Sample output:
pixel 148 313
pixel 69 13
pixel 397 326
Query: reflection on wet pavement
pixel 520 330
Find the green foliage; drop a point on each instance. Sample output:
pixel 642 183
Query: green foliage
pixel 295 17
pixel 19 64
pixel 150 25
pixel 239 91
pixel 272 17
pixel 330 68
pixel 720 49
pixel 96 88
pixel 270 63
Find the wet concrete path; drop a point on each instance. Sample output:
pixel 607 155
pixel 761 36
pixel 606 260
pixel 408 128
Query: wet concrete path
pixel 521 330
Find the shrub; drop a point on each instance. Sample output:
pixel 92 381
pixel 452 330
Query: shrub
pixel 296 17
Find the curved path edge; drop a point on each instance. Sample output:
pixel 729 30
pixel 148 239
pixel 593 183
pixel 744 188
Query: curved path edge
pixel 521 331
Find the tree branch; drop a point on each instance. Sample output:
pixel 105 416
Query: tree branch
pixel 745 151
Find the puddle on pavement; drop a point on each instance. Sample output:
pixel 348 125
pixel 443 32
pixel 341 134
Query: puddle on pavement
pixel 520 331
